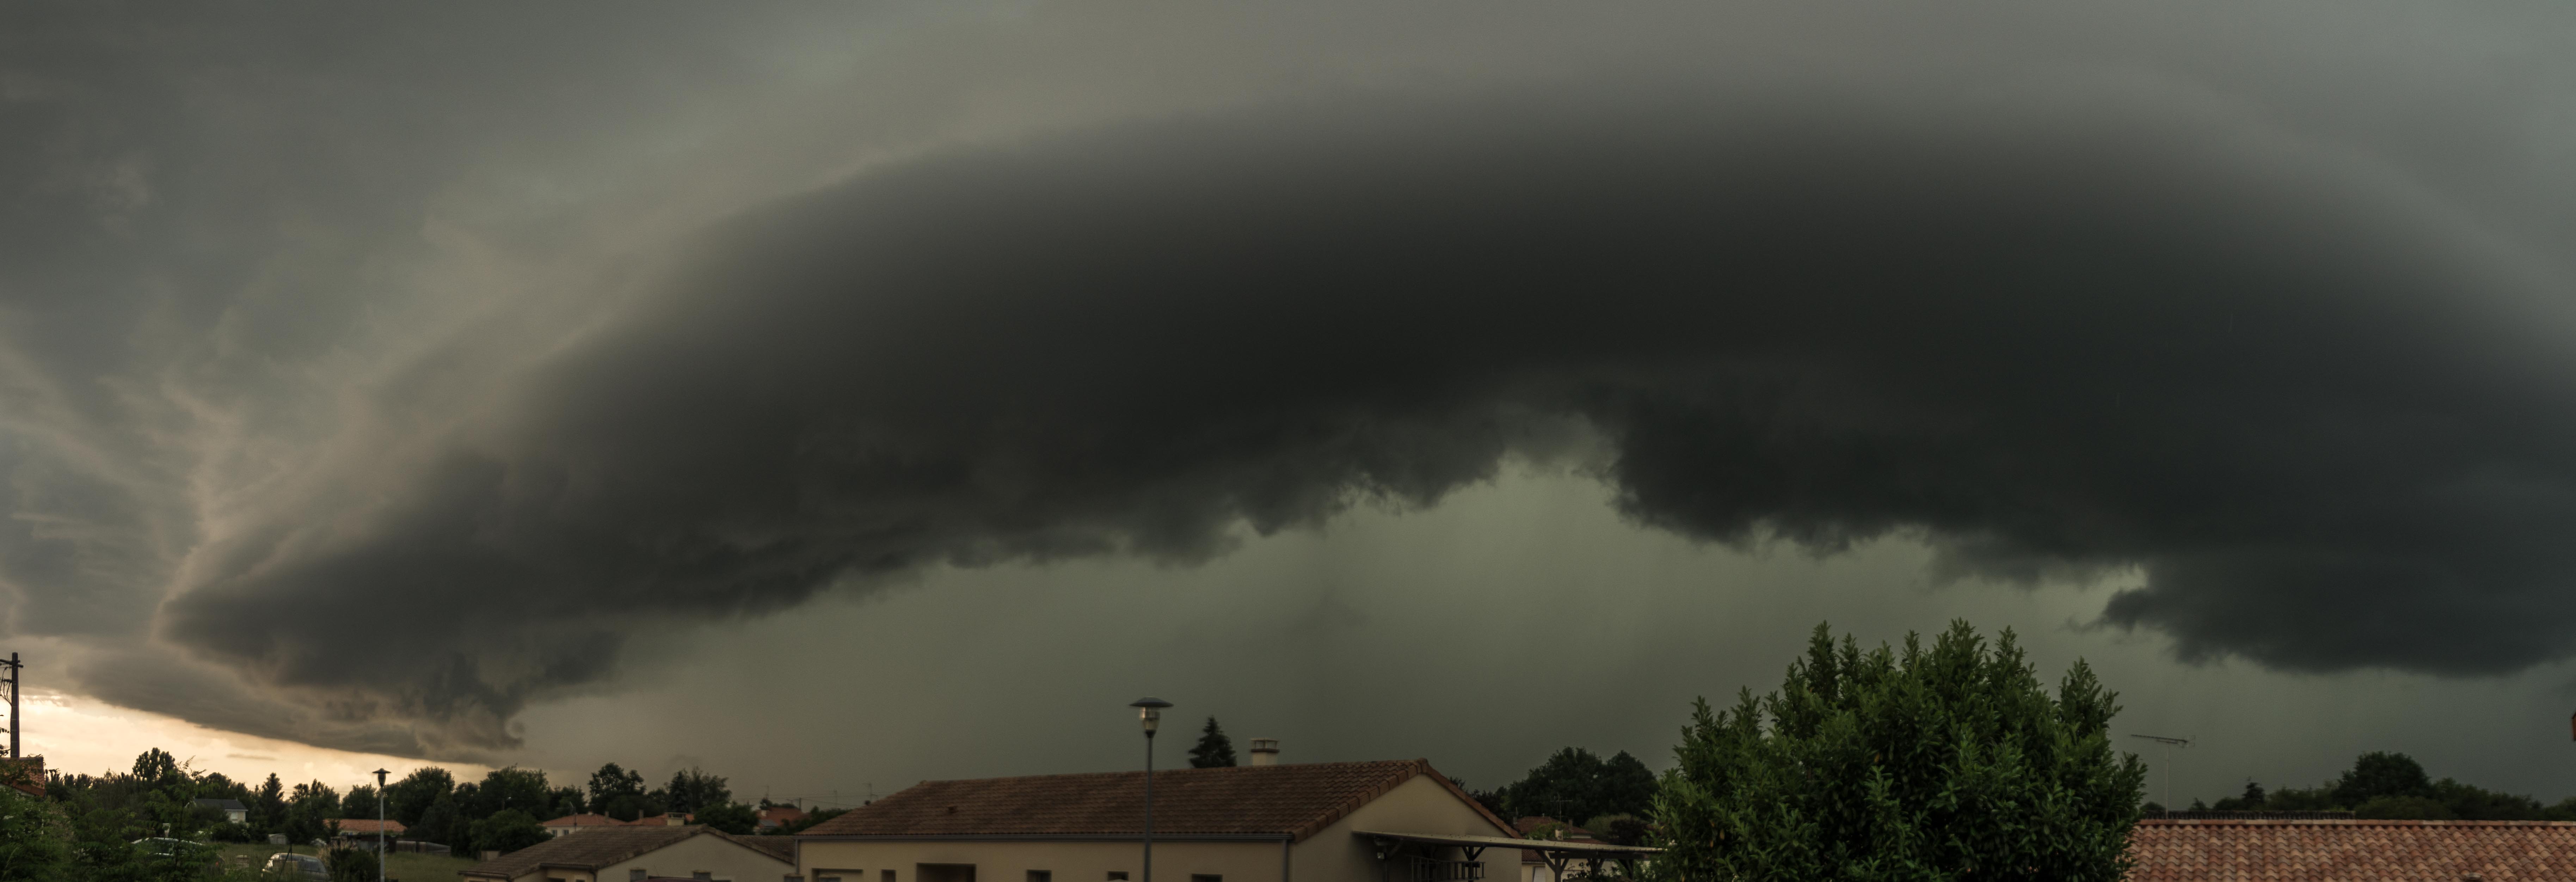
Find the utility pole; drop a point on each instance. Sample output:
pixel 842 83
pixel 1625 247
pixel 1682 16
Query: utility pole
pixel 15 722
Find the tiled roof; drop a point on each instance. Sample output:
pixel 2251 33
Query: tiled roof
pixel 780 847
pixel 583 820
pixel 2319 851
pixel 593 849
pixel 365 826
pixel 1291 800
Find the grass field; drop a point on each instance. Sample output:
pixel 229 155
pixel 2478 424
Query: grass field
pixel 399 866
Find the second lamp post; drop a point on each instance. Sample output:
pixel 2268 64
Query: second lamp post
pixel 1150 712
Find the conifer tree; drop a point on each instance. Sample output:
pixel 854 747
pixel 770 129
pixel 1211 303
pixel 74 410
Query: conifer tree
pixel 1214 751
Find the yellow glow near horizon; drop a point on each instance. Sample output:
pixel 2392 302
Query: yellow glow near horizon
pixel 79 735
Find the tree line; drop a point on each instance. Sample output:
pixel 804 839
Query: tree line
pixel 87 826
pixel 2393 786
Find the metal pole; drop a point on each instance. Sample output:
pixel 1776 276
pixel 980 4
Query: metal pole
pixel 1149 806
pixel 380 825
pixel 15 723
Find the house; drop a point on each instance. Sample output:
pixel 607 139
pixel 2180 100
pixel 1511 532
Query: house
pixel 628 853
pixel 570 824
pixel 25 774
pixel 1275 823
pixel 234 811
pixel 2351 850
pixel 777 816
pixel 367 828
pixel 666 819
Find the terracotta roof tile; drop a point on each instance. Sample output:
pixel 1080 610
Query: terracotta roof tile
pixel 1291 800
pixel 2318 851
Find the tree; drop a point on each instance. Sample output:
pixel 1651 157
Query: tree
pixel 306 821
pixel 561 801
pixel 156 767
pixel 268 806
pixel 692 788
pixel 407 799
pixel 2411 808
pixel 2249 801
pixel 1947 763
pixel 730 817
pixel 1575 785
pixel 507 831
pixel 2377 774
pixel 617 792
pixel 35 839
pixel 442 822
pixel 1214 750
pixel 348 864
pixel 508 788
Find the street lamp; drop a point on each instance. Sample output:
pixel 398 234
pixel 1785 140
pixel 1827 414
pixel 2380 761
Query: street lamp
pixel 380 825
pixel 1150 712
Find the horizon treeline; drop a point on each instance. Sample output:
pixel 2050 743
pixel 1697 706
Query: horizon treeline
pixel 501 812
pixel 2385 785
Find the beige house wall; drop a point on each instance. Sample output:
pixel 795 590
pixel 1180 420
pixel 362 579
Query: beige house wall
pixel 1065 861
pixel 703 853
pixel 1420 805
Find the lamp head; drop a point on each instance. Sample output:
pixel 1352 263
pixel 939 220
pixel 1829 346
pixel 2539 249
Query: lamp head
pixel 1150 712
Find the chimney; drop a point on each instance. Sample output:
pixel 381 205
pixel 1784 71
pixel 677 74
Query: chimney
pixel 1265 751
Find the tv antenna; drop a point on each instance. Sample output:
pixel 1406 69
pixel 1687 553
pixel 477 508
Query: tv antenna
pixel 2164 795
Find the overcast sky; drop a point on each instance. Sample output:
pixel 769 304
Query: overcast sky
pixel 840 396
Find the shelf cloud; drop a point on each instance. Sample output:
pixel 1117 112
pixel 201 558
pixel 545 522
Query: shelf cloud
pixel 2313 409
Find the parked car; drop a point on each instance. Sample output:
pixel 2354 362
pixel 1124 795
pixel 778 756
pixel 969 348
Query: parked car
pixel 304 865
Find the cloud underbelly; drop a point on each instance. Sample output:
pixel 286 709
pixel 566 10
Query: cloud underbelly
pixel 2328 424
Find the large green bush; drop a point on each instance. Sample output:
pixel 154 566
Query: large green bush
pixel 1947 763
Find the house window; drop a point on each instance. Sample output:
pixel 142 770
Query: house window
pixel 944 872
pixel 1206 877
pixel 1041 876
pixel 1117 876
pixel 887 876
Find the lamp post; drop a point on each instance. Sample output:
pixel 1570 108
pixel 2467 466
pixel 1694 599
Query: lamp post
pixel 380 825
pixel 1150 712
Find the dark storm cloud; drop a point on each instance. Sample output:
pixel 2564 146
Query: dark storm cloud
pixel 2326 418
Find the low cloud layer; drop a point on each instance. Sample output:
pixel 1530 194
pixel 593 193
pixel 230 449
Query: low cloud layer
pixel 2323 410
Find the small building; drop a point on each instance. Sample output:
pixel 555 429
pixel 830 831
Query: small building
pixel 628 853
pixel 665 819
pixel 234 811
pixel 367 828
pixel 24 774
pixel 777 816
pixel 1342 822
pixel 2351 850
pixel 570 824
